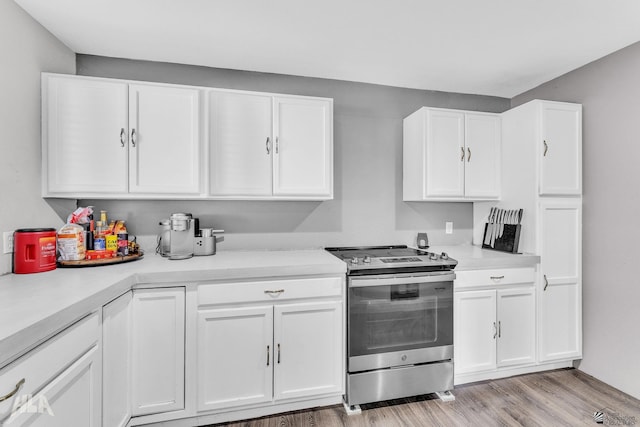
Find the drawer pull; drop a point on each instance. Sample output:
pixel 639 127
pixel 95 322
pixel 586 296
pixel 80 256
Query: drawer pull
pixel 279 291
pixel 13 392
pixel 497 277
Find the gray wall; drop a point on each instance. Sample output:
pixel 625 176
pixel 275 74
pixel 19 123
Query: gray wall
pixel 368 206
pixel 27 50
pixel 609 90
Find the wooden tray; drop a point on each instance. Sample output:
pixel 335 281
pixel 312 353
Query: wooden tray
pixel 99 262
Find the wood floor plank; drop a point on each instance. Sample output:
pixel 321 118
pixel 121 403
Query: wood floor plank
pixel 565 397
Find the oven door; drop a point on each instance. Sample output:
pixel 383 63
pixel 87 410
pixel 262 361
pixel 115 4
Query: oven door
pixel 397 320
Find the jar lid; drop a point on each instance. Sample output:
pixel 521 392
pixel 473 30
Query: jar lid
pixel 34 230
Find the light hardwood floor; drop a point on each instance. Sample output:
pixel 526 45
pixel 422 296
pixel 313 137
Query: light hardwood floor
pixel 565 397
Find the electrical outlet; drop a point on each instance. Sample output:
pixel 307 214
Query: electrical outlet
pixel 448 227
pixel 7 238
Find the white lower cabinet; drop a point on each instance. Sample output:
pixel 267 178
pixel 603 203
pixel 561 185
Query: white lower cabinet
pixel 283 343
pixel 116 351
pixel 494 328
pixel 308 344
pixel 59 383
pixel 560 288
pixel 157 353
pixel 235 357
pixel 475 331
pixel 516 327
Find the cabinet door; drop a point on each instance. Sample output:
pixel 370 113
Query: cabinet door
pixel 561 149
pixel 560 295
pixel 241 144
pixel 444 154
pixel 303 149
pixel 157 376
pixel 73 398
pixel 235 357
pixel 165 139
pixel 516 327
pixel 475 331
pixel 116 352
pixel 84 136
pixel 482 167
pixel 308 344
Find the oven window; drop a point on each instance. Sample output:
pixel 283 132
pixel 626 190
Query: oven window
pixel 400 317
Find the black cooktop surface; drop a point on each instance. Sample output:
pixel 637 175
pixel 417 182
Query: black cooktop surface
pixel 391 259
pixel 347 253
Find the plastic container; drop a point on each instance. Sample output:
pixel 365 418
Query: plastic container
pixel 34 250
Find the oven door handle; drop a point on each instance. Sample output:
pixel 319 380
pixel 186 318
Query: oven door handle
pixel 360 282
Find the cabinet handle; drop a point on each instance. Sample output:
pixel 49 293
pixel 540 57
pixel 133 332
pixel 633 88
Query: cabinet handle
pixel 462 157
pixel 495 330
pixel 267 355
pixel 267 145
pixel 279 291
pixel 468 154
pixel 133 137
pixel 496 277
pixel 546 282
pixel 12 392
pixel 499 329
pixel 122 137
pixel 546 148
pixel 278 353
pixel 277 144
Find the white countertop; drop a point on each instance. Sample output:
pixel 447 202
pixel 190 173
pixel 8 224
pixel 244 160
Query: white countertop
pixel 33 307
pixel 471 257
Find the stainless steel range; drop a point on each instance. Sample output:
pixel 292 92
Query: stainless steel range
pixel 399 322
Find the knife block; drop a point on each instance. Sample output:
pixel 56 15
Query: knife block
pixel 509 240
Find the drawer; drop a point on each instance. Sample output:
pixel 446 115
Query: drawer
pixel 494 277
pixel 42 364
pixel 269 290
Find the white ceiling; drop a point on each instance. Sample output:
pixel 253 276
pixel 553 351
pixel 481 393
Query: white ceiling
pixel 489 47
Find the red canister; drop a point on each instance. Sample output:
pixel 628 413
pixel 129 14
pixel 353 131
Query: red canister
pixel 34 250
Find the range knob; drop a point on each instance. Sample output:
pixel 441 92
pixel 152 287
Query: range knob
pixel 354 260
pixel 444 255
pixel 366 259
pixel 433 256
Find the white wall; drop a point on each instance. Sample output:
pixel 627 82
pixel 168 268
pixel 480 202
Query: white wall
pixel 27 50
pixel 609 90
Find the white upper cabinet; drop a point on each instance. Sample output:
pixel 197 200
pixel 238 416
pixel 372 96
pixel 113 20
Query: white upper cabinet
pixel 241 144
pixel 164 133
pixel 482 167
pixel 108 138
pixel 303 151
pixel 560 149
pixel 444 154
pixel 85 136
pixel 267 147
pixel 451 155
